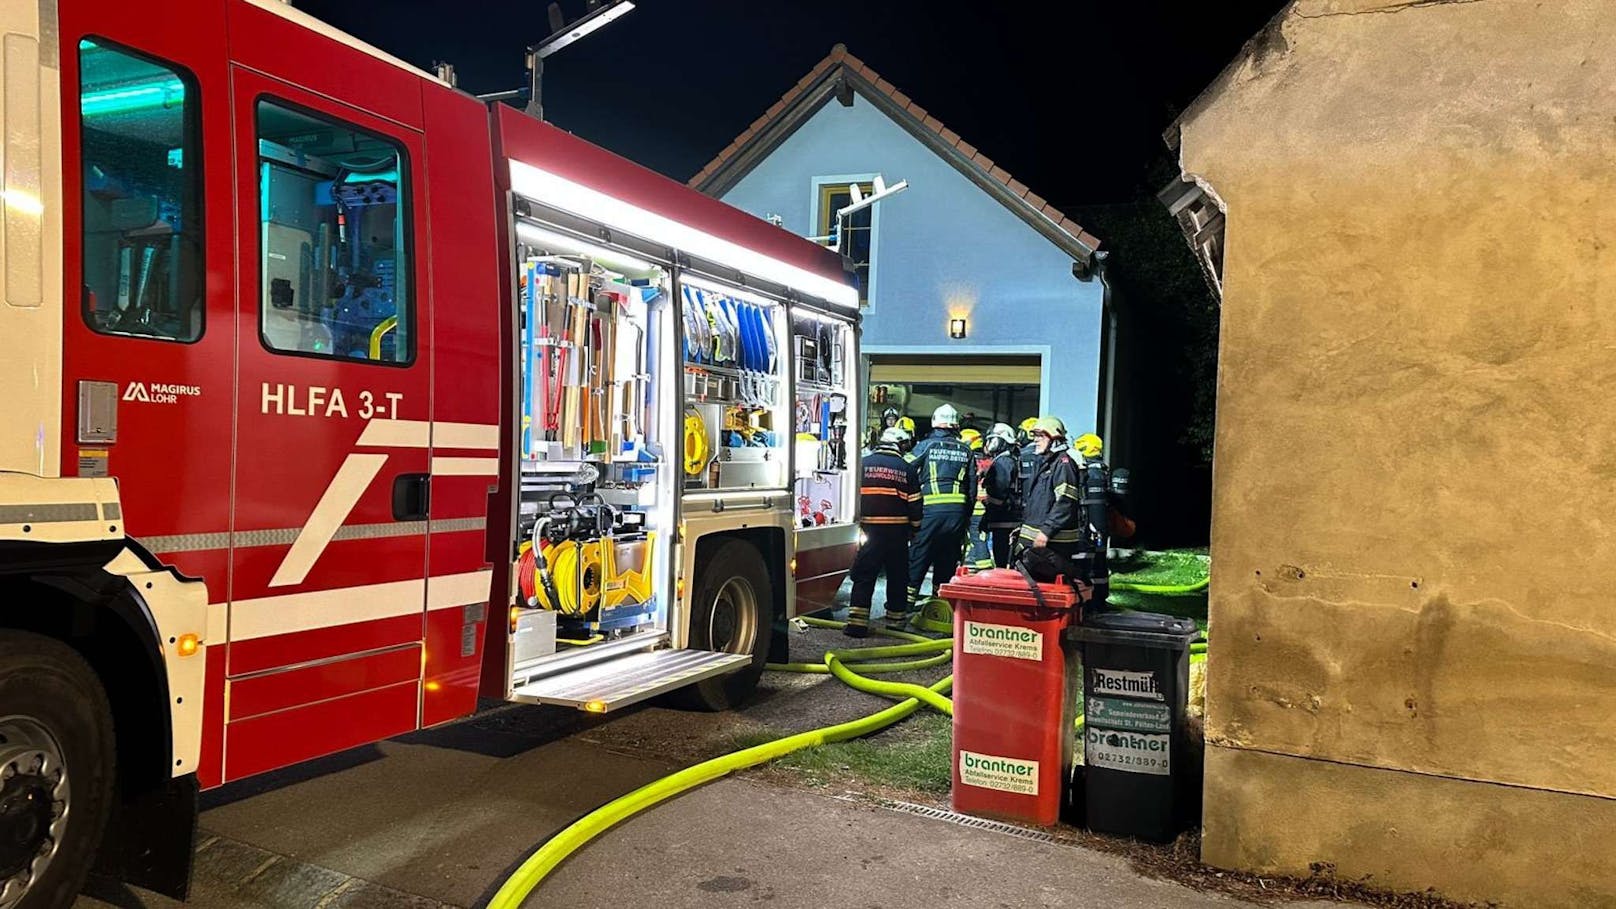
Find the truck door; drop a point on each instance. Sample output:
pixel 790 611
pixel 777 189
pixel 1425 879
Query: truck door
pixel 331 482
pixel 148 325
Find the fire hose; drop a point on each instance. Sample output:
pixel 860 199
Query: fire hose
pixel 923 653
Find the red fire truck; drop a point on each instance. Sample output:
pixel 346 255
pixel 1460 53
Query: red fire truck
pixel 336 400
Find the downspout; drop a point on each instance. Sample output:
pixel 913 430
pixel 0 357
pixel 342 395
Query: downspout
pixel 1108 357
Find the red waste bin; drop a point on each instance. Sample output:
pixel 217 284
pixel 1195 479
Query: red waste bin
pixel 1013 701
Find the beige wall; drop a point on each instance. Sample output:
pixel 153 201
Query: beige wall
pixel 1415 480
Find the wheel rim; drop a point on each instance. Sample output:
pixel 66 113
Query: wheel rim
pixel 732 622
pixel 35 797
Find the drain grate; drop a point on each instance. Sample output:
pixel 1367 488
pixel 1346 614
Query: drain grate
pixel 965 820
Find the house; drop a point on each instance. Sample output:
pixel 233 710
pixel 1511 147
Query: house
pixel 1414 484
pixel 976 290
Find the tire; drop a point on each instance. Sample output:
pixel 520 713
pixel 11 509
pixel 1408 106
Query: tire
pixel 53 713
pixel 731 611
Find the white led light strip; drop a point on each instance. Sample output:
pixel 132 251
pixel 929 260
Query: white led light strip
pixel 564 194
pixel 551 240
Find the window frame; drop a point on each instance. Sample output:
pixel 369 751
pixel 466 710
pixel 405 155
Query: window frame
pixel 193 124
pixel 407 247
pixel 824 184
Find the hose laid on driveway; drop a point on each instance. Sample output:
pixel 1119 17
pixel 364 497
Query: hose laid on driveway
pixel 556 849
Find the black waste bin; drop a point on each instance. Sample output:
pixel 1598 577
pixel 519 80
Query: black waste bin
pixel 1139 777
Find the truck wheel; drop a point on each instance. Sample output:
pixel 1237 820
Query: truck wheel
pixel 56 770
pixel 731 611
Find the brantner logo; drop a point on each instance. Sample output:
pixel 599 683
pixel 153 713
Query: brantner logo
pixel 160 392
pixel 1127 684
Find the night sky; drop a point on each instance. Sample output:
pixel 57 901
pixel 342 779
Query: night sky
pixel 1072 101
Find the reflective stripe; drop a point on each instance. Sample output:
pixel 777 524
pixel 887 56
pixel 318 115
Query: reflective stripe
pixel 912 497
pixel 881 491
pixel 945 498
pixel 1066 536
pixel 1066 491
pixel 931 481
pixel 883 520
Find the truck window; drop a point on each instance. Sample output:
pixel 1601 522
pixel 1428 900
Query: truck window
pixel 333 219
pixel 143 270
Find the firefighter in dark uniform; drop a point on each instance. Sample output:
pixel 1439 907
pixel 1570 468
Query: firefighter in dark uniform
pixel 1096 506
pixel 889 514
pixel 946 469
pixel 1001 492
pixel 978 546
pixel 1026 459
pixel 1051 514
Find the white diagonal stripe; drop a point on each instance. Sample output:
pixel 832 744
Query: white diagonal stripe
pixel 396 434
pixel 352 478
pixel 465 467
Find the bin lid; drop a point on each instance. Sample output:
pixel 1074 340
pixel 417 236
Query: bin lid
pixel 1007 587
pixel 1150 629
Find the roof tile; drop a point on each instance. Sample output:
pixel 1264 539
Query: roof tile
pixel 1018 187
pixel 899 98
pixel 982 161
pixel 966 148
pixel 1000 174
pixel 1036 201
pixel 933 124
pixel 949 136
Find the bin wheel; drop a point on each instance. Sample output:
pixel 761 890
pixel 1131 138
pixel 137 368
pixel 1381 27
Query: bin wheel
pixel 56 770
pixel 730 612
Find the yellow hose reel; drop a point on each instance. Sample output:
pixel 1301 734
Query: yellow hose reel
pixel 697 450
pixel 576 570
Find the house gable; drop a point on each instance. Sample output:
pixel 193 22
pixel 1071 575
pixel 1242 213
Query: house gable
pixel 841 78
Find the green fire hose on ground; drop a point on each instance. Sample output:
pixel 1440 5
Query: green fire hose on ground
pixel 921 653
pixel 932 652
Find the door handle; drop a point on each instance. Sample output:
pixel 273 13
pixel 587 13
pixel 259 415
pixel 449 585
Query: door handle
pixel 412 496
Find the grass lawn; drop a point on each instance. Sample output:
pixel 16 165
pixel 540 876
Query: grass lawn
pixel 915 755
pixel 1173 567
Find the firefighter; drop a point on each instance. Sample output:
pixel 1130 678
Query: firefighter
pixel 1097 516
pixel 978 551
pixel 947 474
pixel 1026 456
pixel 1001 491
pixel 889 419
pixel 889 514
pixel 908 445
pixel 1051 516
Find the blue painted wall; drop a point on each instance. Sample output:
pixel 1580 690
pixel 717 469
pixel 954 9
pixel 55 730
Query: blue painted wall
pixel 943 248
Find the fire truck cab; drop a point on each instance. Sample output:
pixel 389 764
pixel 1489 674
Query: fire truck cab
pixel 337 401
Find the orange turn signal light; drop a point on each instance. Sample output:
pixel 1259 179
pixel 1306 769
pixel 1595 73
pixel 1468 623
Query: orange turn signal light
pixel 188 645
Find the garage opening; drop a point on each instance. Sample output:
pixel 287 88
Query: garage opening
pixel 985 389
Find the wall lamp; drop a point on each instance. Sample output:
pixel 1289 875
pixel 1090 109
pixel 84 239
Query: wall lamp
pixel 956 329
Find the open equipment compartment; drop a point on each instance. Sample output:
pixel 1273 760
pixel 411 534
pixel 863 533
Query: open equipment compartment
pixel 735 384
pixel 596 503
pixel 823 382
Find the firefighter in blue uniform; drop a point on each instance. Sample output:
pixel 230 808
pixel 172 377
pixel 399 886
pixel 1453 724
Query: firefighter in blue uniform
pixel 889 513
pixel 1001 492
pixel 946 469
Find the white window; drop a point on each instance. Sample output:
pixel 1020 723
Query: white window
pixel 833 193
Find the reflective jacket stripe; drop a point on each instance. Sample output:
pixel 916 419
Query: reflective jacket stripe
pixel 944 498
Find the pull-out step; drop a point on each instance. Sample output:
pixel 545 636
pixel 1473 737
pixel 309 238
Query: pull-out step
pixel 629 679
